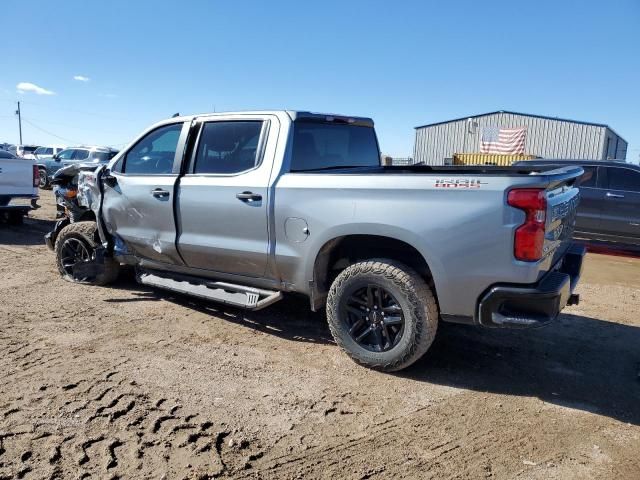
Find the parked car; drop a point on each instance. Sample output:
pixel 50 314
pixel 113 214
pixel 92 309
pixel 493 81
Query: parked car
pixel 26 151
pixel 240 208
pixel 609 208
pixel 43 153
pixel 70 156
pixel 18 187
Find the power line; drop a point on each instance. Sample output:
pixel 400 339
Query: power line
pixel 64 139
pixel 50 133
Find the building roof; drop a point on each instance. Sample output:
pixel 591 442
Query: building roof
pixel 522 114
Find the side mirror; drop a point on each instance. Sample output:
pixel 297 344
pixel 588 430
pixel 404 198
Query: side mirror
pixel 109 179
pixel 56 157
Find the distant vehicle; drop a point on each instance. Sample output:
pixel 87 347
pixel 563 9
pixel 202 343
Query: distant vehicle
pixel 609 208
pixel 243 207
pixel 6 147
pixel 43 153
pixel 26 151
pixel 71 156
pixel 18 187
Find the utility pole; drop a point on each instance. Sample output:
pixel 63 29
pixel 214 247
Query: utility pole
pixel 19 122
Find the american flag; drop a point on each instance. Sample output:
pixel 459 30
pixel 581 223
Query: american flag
pixel 503 140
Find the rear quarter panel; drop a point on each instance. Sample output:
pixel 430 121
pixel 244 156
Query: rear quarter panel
pixel 464 233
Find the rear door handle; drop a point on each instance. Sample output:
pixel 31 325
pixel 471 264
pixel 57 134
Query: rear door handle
pixel 614 195
pixel 159 193
pixel 249 196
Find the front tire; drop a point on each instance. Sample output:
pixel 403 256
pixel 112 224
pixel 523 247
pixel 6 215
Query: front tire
pixel 76 244
pixel 383 314
pixel 43 183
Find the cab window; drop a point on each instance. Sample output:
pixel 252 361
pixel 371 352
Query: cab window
pixel 623 179
pixel 154 154
pixel 228 147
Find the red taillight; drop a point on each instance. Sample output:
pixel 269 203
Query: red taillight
pixel 528 243
pixel 36 176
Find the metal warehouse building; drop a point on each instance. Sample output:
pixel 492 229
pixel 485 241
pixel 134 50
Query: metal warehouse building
pixel 546 137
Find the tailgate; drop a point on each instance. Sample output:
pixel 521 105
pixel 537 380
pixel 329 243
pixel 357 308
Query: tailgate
pixel 16 177
pixel 562 204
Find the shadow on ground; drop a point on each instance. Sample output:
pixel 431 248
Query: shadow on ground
pixel 290 318
pixel 30 233
pixel 577 362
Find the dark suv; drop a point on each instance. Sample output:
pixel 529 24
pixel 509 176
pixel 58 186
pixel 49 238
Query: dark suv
pixel 609 207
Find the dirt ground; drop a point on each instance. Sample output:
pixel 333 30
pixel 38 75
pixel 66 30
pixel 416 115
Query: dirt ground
pixel 127 382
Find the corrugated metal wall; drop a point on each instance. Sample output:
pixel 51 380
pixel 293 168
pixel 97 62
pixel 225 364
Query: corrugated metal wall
pixel 546 138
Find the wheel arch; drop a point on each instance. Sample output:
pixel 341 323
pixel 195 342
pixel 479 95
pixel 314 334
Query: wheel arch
pixel 339 252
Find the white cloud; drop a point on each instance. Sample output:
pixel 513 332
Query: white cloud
pixel 81 78
pixel 108 95
pixel 24 87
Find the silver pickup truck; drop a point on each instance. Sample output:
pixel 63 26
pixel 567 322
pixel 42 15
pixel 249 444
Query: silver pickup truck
pixel 18 187
pixel 242 207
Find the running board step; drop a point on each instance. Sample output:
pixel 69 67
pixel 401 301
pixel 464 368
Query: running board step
pixel 227 293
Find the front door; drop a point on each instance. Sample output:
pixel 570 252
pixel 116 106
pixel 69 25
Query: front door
pixel 591 200
pixel 138 208
pixel 621 213
pixel 223 197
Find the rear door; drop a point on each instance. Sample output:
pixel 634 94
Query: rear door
pixel 138 208
pixel 621 212
pixel 223 197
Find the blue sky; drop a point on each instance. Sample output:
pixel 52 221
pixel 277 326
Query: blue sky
pixel 404 63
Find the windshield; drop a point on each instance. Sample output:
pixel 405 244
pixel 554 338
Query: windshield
pixel 329 145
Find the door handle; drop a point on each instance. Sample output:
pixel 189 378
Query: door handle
pixel 249 196
pixel 614 195
pixel 159 193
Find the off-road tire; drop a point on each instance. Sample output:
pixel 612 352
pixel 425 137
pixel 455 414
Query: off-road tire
pixel 87 233
pixel 418 303
pixel 43 174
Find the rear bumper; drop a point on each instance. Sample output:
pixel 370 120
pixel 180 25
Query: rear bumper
pixel 519 306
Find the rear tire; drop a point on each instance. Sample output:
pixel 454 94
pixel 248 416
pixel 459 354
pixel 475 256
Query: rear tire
pixel 77 243
pixel 383 314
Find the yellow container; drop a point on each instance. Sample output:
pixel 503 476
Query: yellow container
pixel 502 160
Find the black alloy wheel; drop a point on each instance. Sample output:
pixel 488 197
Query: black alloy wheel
pixel 374 318
pixel 73 251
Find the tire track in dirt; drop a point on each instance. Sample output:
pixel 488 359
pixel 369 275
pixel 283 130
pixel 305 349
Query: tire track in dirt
pixel 119 431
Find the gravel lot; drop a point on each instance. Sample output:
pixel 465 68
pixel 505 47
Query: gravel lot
pixel 127 382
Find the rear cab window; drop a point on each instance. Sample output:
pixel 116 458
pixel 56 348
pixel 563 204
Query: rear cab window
pixel 320 145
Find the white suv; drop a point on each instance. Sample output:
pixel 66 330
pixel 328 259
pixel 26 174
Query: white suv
pixel 47 152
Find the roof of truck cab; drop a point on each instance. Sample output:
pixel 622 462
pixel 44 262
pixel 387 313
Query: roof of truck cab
pixel 295 115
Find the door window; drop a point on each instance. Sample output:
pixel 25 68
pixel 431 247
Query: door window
pixel 623 179
pixel 154 154
pixel 81 154
pixel 66 154
pixel 228 147
pixel 589 178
